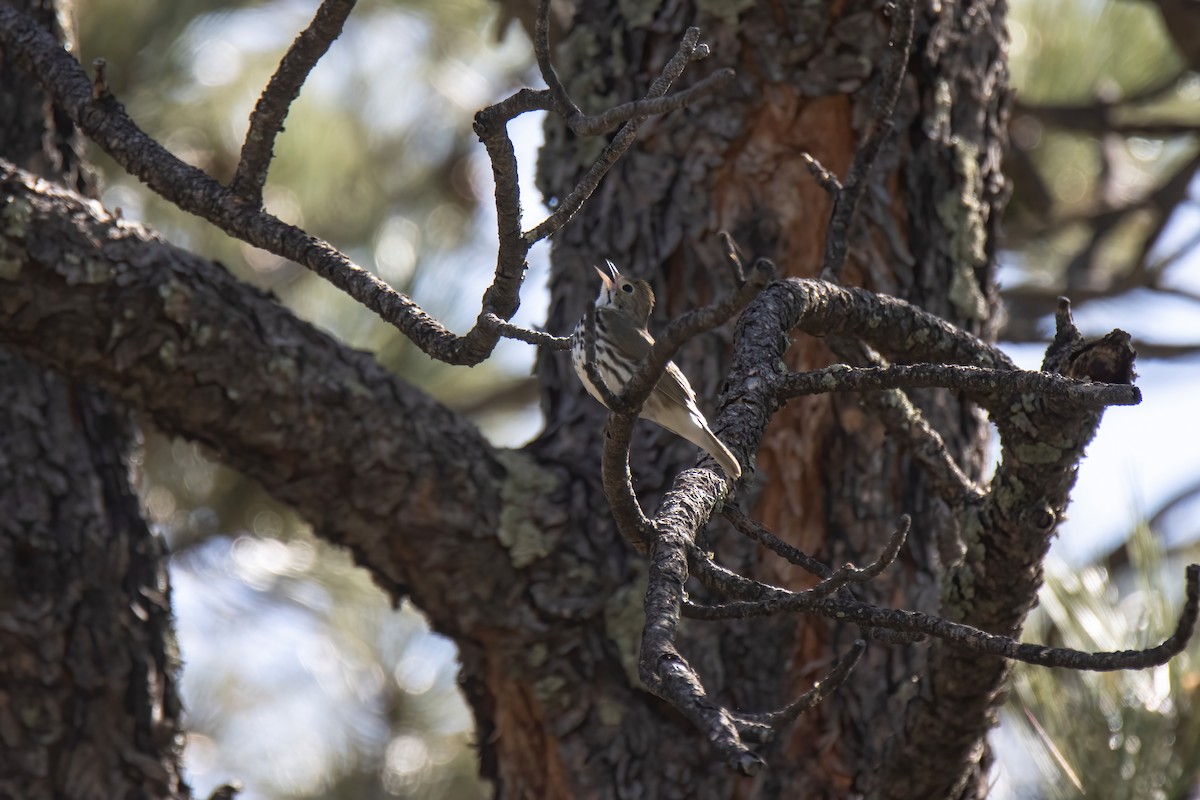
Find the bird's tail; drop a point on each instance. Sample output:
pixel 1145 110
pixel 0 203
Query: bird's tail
pixel 689 423
pixel 707 441
pixel 698 433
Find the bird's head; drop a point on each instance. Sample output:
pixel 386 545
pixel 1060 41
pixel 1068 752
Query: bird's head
pixel 632 297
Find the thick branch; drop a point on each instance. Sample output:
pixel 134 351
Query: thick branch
pixel 992 386
pixel 661 667
pixel 323 427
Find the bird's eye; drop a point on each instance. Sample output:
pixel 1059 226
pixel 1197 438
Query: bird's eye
pixel 627 288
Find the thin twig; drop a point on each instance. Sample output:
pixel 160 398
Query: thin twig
pixel 831 580
pixel 779 601
pixel 848 573
pixel 846 203
pixel 733 256
pixel 763 727
pixel 652 106
pixel 688 48
pixel 903 419
pixel 823 175
pixel 266 121
pixel 537 338
pixel 753 529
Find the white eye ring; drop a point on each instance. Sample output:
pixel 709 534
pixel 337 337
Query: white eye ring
pixel 627 288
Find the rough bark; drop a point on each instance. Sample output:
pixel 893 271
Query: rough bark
pixel 515 555
pixel 830 480
pixel 88 704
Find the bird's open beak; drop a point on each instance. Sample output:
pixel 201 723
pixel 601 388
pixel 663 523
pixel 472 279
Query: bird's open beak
pixel 610 276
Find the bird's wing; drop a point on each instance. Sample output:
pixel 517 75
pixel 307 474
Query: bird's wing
pixel 630 341
pixel 635 343
pixel 676 386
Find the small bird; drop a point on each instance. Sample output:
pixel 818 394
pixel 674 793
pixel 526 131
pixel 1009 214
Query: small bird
pixel 622 342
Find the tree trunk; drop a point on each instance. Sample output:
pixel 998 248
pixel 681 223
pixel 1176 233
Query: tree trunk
pixel 88 707
pixel 516 556
pixel 828 480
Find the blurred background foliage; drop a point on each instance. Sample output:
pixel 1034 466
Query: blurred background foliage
pixel 1104 157
pixel 301 682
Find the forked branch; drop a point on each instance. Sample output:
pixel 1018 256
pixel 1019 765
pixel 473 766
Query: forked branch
pixel 237 209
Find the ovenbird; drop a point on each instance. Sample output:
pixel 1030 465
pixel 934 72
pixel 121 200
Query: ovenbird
pixel 622 342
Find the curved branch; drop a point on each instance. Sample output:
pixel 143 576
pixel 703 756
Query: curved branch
pixel 625 407
pixel 965 636
pixel 103 119
pixel 661 667
pixel 762 728
pixel 323 427
pixel 266 121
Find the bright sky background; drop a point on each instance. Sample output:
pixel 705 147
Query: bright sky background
pixel 1143 454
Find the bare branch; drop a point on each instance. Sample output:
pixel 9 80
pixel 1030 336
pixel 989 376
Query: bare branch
pixel 846 201
pixel 536 338
pixel 761 728
pixel 689 50
pixel 848 573
pixel 661 667
pixel 733 256
pixel 655 102
pixel 774 600
pixel 623 411
pixel 106 123
pixel 894 327
pixel 562 103
pixel 753 529
pixel 652 105
pixel 266 121
pixel 831 580
pixel 731 585
pixel 991 385
pixel 903 419
pixel 823 175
